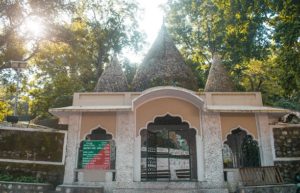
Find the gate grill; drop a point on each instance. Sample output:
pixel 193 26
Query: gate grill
pixel 151 170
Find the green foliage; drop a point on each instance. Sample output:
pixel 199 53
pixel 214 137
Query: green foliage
pixel 76 64
pixel 6 177
pixel 129 71
pixel 258 41
pixel 39 172
pixel 4 110
pixel 232 28
pixel 26 179
pixel 287 44
pixel 13 14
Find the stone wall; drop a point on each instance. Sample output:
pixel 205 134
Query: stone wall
pixel 287 151
pixel 288 169
pixel 287 142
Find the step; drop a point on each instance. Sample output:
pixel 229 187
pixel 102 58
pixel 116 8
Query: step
pixel 144 190
pixel 79 189
pixel 283 188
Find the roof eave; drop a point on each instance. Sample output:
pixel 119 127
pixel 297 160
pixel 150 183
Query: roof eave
pixel 74 109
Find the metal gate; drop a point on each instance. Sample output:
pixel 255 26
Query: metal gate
pixel 184 154
pixel 151 169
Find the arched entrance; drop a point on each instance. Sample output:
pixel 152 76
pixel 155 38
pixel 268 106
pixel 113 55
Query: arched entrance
pixel 240 150
pixel 168 150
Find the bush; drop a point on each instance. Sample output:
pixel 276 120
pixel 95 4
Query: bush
pixel 27 179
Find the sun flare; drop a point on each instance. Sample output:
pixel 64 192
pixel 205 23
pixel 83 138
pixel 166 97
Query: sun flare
pixel 33 27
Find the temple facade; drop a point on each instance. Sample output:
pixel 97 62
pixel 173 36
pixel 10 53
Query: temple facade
pixel 165 136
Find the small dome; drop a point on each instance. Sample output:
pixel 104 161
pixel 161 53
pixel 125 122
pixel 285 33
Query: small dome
pixel 218 79
pixel 164 66
pixel 112 78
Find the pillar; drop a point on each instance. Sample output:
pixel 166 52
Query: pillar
pixel 74 125
pixel 125 146
pixel 212 141
pixel 265 135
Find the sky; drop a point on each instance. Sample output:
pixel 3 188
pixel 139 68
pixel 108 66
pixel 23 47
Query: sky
pixel 151 21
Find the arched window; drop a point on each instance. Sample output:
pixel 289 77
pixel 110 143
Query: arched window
pixel 98 140
pixel 240 150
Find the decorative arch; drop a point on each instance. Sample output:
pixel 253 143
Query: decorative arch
pixel 168 91
pixel 168 137
pixel 167 114
pixel 97 133
pixel 242 128
pixel 240 150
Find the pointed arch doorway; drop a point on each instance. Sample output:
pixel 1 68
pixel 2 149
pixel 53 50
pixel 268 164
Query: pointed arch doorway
pixel 168 150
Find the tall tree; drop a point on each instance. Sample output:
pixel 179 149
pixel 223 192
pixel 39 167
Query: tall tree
pixel 98 29
pixel 233 28
pixel 286 24
pixel 15 15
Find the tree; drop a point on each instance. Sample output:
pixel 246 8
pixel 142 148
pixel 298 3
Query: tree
pixel 98 29
pixel 5 108
pixel 286 24
pixel 14 15
pixel 231 28
pixel 259 42
pixel 129 71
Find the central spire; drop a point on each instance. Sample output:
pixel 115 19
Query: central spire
pixel 164 66
pixel 113 78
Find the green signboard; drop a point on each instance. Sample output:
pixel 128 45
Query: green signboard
pixel 96 154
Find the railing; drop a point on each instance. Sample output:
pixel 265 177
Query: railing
pixel 267 175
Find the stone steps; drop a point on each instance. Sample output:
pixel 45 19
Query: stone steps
pixel 283 188
pixel 78 189
pixel 144 190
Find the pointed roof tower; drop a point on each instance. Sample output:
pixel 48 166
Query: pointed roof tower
pixel 163 65
pixel 112 78
pixel 218 79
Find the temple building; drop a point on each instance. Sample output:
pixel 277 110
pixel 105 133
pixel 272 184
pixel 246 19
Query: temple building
pixel 165 136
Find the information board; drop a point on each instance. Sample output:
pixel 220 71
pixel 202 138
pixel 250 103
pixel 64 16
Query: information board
pixel 96 154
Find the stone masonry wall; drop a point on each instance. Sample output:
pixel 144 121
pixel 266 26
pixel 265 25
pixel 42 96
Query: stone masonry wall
pixel 288 169
pixel 287 142
pixel 287 146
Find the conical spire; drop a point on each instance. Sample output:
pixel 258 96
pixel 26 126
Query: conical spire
pixel 218 79
pixel 163 65
pixel 112 78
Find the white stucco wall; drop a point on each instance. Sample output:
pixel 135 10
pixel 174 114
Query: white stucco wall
pixel 72 148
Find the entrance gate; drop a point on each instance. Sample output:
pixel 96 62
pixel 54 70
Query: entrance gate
pixel 151 156
pixel 168 151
